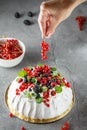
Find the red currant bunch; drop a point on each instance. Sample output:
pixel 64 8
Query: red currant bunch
pixel 10 49
pixel 45 49
pixel 80 20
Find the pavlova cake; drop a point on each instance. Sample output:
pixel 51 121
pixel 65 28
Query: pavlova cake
pixel 39 94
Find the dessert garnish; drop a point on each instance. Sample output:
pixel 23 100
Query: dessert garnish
pixel 40 83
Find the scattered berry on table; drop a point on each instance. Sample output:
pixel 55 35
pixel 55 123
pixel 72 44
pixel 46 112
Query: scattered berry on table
pixel 30 14
pixel 65 126
pixel 17 15
pixel 11 115
pixel 22 128
pixel 80 20
pixel 27 22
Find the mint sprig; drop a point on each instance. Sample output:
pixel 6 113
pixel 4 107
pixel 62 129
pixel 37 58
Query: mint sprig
pixel 53 69
pixel 22 73
pixel 58 89
pixel 39 100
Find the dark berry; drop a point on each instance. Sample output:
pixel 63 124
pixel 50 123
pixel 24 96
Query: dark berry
pixel 25 80
pixel 44 75
pixel 48 84
pixel 30 14
pixel 38 95
pixel 49 87
pixel 17 15
pixel 31 68
pixel 37 88
pixel 27 22
pixel 39 73
pixel 51 71
pixel 30 89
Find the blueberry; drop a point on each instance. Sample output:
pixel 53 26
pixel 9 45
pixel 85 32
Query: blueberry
pixel 53 80
pixel 39 73
pixel 49 87
pixel 30 14
pixel 38 95
pixel 49 81
pixel 17 15
pixel 25 80
pixel 48 84
pixel 44 75
pixel 51 71
pixel 27 22
pixel 38 82
pixel 37 88
pixel 30 89
pixel 31 68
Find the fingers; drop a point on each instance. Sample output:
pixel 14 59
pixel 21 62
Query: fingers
pixel 42 19
pixel 42 24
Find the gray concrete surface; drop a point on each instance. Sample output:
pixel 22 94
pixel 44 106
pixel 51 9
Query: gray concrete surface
pixel 68 52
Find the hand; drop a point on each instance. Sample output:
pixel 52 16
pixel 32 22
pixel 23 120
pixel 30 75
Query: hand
pixel 52 13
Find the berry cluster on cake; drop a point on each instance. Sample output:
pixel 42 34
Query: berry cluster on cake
pixel 39 94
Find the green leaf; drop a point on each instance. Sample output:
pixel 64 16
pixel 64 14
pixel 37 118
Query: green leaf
pixel 62 84
pixel 60 78
pixel 33 80
pixel 44 88
pixel 17 79
pixel 30 67
pixel 29 79
pixel 34 94
pixel 25 93
pixel 53 69
pixel 28 95
pixel 54 73
pixel 39 64
pixel 22 73
pixel 58 89
pixel 39 100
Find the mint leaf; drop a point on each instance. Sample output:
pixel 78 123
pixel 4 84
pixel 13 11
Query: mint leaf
pixel 53 69
pixel 28 95
pixel 39 100
pixel 44 89
pixel 29 79
pixel 62 84
pixel 34 94
pixel 30 67
pixel 54 73
pixel 33 80
pixel 22 73
pixel 39 64
pixel 58 89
